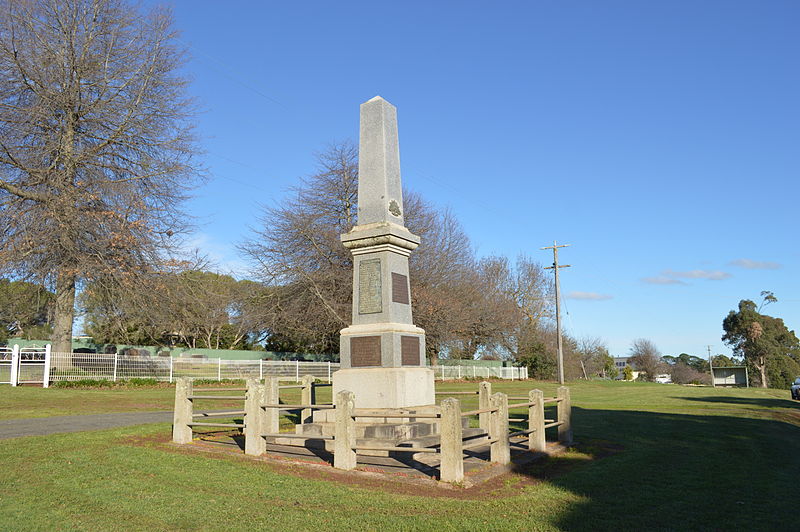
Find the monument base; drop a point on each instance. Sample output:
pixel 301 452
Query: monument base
pixel 386 387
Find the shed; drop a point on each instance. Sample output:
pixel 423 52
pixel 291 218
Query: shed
pixel 730 376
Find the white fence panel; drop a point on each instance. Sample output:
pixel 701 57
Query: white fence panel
pixel 78 366
pixel 31 365
pixel 484 372
pixel 5 365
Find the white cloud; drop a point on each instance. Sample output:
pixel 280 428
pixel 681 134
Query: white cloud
pixel 589 296
pixel 663 280
pixel 755 264
pixel 711 275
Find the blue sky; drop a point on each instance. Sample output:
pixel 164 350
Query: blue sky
pixel 659 139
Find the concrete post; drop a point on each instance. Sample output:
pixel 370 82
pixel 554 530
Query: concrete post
pixel 305 398
pixel 272 416
pixel 484 393
pixel 452 463
pixel 181 431
pixel 14 365
pixel 499 451
pixel 47 365
pixel 564 416
pixel 344 456
pixel 254 444
pixel 536 440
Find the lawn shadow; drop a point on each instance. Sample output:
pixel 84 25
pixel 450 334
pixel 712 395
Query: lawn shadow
pixel 753 401
pixel 676 472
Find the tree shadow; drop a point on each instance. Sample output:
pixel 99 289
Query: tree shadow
pixel 675 471
pixel 753 401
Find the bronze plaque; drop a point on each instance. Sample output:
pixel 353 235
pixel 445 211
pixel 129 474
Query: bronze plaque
pixel 399 288
pixel 365 351
pixel 370 300
pixel 409 350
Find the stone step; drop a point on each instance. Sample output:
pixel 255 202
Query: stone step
pixel 468 435
pixel 391 431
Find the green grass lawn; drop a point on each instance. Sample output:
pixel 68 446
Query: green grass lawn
pixel 684 459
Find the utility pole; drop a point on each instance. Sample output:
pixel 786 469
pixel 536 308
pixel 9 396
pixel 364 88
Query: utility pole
pixel 555 268
pixel 710 367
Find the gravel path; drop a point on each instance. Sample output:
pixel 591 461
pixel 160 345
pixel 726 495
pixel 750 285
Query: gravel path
pixel 40 426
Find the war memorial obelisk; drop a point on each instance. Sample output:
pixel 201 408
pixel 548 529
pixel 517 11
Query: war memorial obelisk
pixel 382 353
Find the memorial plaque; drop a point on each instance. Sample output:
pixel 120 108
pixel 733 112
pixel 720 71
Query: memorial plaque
pixel 399 288
pixel 370 300
pixel 365 351
pixel 409 350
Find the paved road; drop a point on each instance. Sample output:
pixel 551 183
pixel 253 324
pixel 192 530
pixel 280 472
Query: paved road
pixel 40 426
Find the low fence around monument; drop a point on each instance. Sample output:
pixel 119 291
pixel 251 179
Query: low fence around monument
pixel 263 407
pixel 40 366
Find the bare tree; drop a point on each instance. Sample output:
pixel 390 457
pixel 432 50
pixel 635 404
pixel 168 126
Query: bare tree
pixel 645 356
pixel 297 253
pixel 96 144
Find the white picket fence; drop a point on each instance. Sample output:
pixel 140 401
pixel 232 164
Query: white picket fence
pixel 77 366
pixel 40 366
pixel 475 372
pixel 27 365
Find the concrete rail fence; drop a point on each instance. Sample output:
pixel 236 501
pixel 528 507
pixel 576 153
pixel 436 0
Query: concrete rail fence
pixel 263 407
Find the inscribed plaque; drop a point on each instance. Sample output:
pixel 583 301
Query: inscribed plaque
pixel 369 287
pixel 409 350
pixel 399 288
pixel 365 351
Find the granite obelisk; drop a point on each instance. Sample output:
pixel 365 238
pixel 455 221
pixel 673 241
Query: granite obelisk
pixel 382 353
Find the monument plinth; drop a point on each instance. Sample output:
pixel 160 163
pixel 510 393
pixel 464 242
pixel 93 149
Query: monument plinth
pixel 382 353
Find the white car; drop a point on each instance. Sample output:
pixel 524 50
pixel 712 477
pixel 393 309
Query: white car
pixel 664 378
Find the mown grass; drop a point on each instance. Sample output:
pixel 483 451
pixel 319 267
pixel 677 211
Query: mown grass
pixel 688 459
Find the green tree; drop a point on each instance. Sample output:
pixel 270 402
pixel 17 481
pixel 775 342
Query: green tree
pixel 25 310
pixel 627 373
pixel 541 364
pixel 767 345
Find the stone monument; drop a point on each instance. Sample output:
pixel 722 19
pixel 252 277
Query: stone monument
pixel 382 353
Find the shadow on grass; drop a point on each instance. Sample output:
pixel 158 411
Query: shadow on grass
pixel 754 401
pixel 676 472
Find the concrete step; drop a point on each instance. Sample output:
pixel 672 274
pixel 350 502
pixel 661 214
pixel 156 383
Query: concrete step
pixel 390 431
pixel 468 435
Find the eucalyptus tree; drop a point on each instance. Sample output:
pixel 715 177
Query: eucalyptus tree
pixel 97 149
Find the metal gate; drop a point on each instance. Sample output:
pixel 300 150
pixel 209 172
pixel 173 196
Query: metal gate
pixel 7 359
pixel 29 365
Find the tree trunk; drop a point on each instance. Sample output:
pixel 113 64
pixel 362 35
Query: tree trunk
pixel 762 368
pixel 64 315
